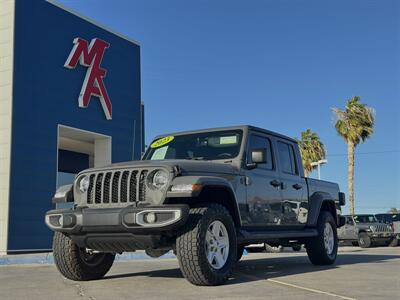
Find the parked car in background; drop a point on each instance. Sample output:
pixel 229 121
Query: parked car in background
pixel 365 231
pixel 393 219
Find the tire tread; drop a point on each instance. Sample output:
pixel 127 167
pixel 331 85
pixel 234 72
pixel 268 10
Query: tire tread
pixel 193 264
pixel 68 261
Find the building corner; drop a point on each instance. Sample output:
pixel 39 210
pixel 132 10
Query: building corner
pixel 7 7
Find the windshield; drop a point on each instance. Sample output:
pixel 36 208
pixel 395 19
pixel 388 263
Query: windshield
pixel 197 146
pixel 365 219
pixel 388 218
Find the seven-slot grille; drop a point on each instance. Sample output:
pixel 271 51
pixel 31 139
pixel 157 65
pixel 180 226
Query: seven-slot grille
pixel 382 228
pixel 116 187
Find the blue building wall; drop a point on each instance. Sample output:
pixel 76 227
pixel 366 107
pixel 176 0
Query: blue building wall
pixel 45 94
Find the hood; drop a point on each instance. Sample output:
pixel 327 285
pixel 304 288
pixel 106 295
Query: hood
pixel 186 166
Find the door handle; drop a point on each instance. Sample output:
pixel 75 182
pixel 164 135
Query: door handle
pixel 275 183
pixel 297 186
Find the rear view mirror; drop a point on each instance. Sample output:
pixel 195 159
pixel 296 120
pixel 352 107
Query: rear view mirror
pixel 258 156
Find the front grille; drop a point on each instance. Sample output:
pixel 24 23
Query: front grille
pixel 382 228
pixel 114 187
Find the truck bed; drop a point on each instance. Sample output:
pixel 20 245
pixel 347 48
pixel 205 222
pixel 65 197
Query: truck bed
pixel 315 185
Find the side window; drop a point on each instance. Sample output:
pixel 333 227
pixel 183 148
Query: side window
pixel 349 221
pixel 287 158
pixel 260 142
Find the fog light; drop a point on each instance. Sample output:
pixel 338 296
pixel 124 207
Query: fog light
pixel 150 218
pixel 67 221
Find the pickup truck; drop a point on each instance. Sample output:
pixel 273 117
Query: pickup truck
pixel 203 194
pixel 392 219
pixel 365 231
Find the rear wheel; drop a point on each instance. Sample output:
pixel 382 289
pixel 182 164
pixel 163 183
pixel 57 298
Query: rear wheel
pixel 364 241
pixel 206 247
pixel 322 249
pixel 76 263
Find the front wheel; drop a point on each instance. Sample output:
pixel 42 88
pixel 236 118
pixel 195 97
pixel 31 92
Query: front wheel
pixel 76 263
pixel 393 242
pixel 364 241
pixel 322 249
pixel 206 247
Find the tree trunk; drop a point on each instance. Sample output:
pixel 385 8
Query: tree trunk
pixel 350 158
pixel 306 173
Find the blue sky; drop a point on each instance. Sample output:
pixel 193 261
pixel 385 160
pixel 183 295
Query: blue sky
pixel 280 65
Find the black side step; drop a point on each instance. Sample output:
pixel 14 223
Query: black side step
pixel 260 236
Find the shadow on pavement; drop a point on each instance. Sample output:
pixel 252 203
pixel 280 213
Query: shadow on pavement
pixel 269 268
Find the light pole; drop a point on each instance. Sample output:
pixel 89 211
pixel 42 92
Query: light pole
pixel 318 164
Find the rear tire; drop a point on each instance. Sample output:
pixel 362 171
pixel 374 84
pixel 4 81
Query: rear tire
pixel 364 241
pixel 200 261
pixel 322 249
pixel 75 263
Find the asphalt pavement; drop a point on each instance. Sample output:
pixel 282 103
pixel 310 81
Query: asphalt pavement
pixel 358 274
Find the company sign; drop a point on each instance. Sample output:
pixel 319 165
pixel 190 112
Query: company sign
pixel 91 56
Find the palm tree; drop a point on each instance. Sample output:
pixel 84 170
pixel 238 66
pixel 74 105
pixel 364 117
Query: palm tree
pixel 354 124
pixel 311 149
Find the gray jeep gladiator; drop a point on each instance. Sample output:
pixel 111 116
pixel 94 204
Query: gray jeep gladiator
pixel 203 194
pixel 365 231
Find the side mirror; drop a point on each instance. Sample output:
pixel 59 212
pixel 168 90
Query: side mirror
pixel 342 199
pixel 258 156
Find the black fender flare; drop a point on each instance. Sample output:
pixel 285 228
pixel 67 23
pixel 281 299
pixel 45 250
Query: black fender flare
pixel 317 201
pixel 207 183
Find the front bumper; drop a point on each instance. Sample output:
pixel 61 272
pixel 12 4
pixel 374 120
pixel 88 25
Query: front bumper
pixel 117 220
pixel 381 235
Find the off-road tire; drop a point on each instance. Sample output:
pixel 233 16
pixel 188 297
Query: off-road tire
pixel 191 245
pixel 239 253
pixel 71 264
pixel 315 246
pixel 364 241
pixel 393 243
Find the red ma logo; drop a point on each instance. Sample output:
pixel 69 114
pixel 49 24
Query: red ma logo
pixel 91 56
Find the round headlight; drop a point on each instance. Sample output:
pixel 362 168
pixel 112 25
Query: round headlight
pixel 150 218
pixel 84 184
pixel 159 179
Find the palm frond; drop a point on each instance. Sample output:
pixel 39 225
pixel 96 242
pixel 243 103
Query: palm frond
pixel 356 123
